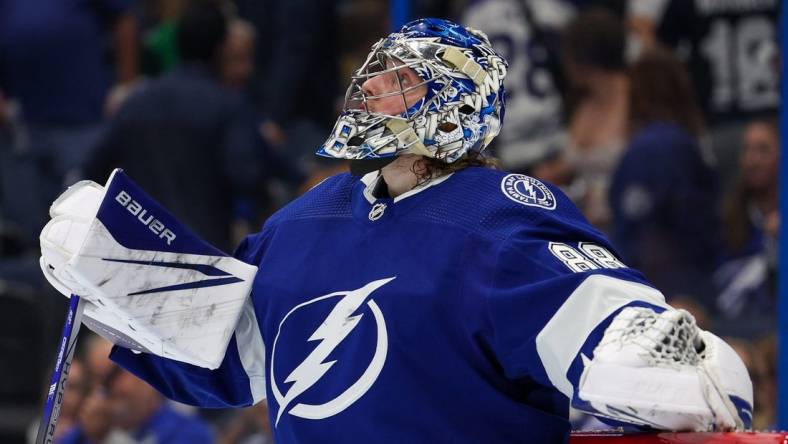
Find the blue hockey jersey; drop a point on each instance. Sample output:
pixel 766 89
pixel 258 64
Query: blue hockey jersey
pixel 456 312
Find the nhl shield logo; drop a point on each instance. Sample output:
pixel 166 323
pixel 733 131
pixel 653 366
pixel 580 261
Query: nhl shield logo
pixel 377 211
pixel 527 191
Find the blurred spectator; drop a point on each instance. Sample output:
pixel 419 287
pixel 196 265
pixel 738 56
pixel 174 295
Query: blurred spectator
pixel 362 23
pixel 760 359
pixel 5 112
pixel 74 394
pixel 91 420
pixel 126 409
pixel 237 64
pixel 95 353
pixel 158 23
pixel 663 193
pixel 115 406
pixel 747 280
pixel 731 50
pixel 556 169
pixel 236 69
pixel 764 381
pixel 642 20
pixel 593 55
pixel 249 426
pixel 58 61
pixel 526 34
pixel 295 80
pixel 186 139
pixel 698 311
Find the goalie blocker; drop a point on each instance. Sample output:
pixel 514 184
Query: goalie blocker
pixel 151 284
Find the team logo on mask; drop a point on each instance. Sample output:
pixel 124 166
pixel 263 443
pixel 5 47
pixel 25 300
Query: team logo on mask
pixel 343 315
pixel 527 191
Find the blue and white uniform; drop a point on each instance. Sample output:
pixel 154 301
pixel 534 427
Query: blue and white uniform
pixel 457 312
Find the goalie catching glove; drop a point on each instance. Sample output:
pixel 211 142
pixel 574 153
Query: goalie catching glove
pixel 661 371
pixel 151 285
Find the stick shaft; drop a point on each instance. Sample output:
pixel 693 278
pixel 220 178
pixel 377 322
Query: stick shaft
pixel 68 341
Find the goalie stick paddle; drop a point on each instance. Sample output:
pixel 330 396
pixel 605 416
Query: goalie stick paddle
pixel 57 384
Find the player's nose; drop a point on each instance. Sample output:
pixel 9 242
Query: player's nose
pixel 374 86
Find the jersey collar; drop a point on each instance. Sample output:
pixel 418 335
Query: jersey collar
pixel 370 181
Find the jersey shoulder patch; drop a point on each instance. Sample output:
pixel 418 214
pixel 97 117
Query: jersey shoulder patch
pixel 528 191
pixel 496 204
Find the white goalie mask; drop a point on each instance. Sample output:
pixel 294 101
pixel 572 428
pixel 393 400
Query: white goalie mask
pixel 444 96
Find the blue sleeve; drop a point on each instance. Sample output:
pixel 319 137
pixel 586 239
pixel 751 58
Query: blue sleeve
pixel 240 379
pixel 227 386
pixel 554 293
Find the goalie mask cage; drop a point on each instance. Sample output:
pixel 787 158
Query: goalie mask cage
pixel 679 438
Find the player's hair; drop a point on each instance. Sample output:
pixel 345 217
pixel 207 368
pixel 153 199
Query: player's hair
pixel 660 90
pixel 430 168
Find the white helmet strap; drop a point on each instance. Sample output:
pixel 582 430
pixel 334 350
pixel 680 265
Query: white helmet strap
pixel 465 64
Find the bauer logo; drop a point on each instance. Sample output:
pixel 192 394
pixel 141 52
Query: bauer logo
pixel 144 217
pixel 528 191
pixel 319 372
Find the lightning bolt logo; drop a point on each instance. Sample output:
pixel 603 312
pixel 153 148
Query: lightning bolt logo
pixel 339 323
pixel 529 188
pixel 528 191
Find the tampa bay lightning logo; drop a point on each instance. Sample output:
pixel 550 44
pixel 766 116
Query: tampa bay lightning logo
pixel 527 191
pixel 377 211
pixel 349 307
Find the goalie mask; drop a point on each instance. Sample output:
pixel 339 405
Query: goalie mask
pixel 445 96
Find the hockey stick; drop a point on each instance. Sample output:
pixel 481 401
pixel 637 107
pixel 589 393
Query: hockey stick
pixel 68 341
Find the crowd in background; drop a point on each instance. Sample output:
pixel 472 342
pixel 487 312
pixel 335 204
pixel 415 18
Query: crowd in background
pixel 657 117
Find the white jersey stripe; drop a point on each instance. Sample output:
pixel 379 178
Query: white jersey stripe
pixel 592 302
pixel 251 351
